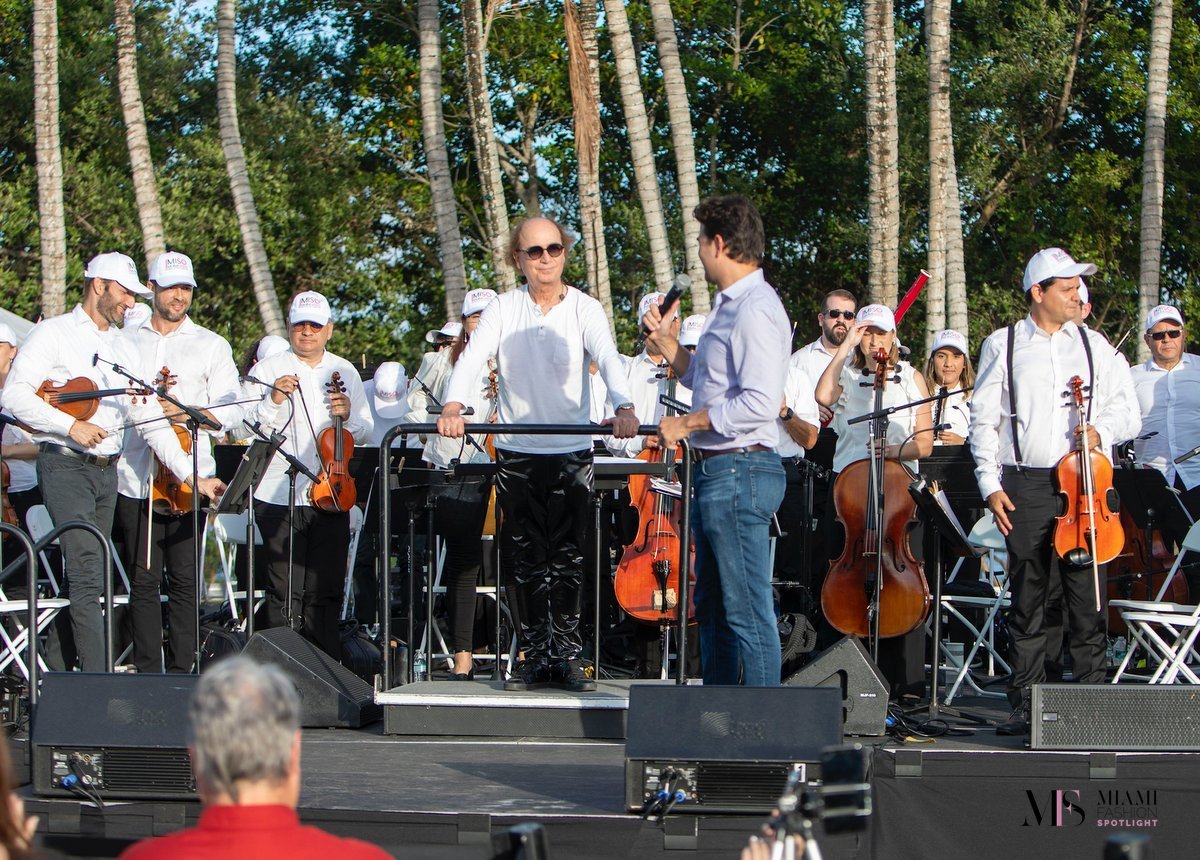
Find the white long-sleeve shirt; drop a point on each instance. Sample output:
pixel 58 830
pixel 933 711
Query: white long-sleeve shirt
pixel 1170 404
pixel 61 348
pixel 205 377
pixel 800 395
pixel 646 381
pixel 542 360
pixel 300 435
pixel 1043 365
pixel 440 450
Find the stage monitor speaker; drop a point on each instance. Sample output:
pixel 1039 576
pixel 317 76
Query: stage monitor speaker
pixel 728 749
pixel 113 735
pixel 1129 717
pixel 330 694
pixel 849 667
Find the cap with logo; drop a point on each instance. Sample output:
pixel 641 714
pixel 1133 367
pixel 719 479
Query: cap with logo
pixel 879 316
pixel 309 307
pixel 476 300
pixel 449 330
pixel 391 390
pixel 1158 313
pixel 136 315
pixel 172 269
pixel 1054 263
pixel 949 337
pixel 116 267
pixel 689 334
pixel 270 345
pixel 650 300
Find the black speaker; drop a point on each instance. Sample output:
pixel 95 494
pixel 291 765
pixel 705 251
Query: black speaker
pixel 1132 717
pixel 728 749
pixel 849 667
pixel 330 694
pixel 116 736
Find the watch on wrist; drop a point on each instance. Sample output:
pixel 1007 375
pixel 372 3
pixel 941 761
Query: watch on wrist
pixel 621 406
pixel 787 415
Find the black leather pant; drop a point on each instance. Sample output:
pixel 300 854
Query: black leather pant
pixel 545 502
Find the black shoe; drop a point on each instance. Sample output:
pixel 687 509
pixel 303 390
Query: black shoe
pixel 571 675
pixel 469 675
pixel 528 675
pixel 1018 722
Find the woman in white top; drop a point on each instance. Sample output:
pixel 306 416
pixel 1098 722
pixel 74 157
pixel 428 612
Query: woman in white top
pixel 949 367
pixel 461 505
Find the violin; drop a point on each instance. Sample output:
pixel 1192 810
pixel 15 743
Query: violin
pixel 334 490
pixel 80 398
pixel 169 495
pixel 1089 530
pixel 876 587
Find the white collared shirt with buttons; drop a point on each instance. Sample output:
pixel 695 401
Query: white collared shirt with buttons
pixel 647 381
pixel 1170 403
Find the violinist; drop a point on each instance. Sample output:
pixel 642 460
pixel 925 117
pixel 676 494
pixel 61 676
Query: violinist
pixel 19 450
pixel 77 458
pixel 949 371
pixel 204 376
pixel 300 404
pixel 1021 428
pixel 909 437
pixel 462 504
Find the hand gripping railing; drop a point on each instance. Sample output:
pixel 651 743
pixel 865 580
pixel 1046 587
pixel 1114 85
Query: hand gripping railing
pixel 385 528
pixel 31 553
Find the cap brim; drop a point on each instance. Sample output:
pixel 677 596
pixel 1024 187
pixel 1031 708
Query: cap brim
pixel 178 282
pixel 138 288
pixel 307 317
pixel 388 409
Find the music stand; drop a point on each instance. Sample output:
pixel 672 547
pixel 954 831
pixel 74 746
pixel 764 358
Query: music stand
pixel 1151 504
pixel 239 497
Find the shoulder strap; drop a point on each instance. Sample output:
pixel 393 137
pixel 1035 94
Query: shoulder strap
pixel 1012 399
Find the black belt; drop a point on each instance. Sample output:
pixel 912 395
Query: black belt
pixel 82 456
pixel 699 454
pixel 1031 471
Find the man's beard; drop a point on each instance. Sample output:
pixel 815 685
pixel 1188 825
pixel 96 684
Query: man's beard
pixel 110 309
pixel 836 335
pixel 164 311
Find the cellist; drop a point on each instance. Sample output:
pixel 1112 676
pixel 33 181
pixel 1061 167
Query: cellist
pixel 1020 429
pixel 909 437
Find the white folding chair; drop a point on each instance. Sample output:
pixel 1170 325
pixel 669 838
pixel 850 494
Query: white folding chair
pixel 229 533
pixel 356 527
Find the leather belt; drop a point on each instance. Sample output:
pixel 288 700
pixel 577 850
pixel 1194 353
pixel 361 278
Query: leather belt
pixel 699 454
pixel 82 456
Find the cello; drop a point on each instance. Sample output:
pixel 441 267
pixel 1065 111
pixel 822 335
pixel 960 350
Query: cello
pixel 169 495
pixel 876 588
pixel 334 490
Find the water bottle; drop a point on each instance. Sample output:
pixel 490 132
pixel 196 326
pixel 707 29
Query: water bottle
pixel 419 666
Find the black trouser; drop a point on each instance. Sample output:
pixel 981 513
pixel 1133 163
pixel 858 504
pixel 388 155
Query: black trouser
pixel 545 502
pixel 458 520
pixel 795 516
pixel 172 551
pixel 322 542
pixel 1031 560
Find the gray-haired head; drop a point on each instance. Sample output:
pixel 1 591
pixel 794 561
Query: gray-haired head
pixel 244 716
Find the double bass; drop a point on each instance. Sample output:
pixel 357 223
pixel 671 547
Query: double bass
pixel 334 490
pixel 169 495
pixel 876 588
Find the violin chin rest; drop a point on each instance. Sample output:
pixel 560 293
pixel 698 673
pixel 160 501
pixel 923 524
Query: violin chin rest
pixel 1113 499
pixel 1079 557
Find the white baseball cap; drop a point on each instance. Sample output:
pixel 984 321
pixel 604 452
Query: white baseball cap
pixel 477 300
pixel 1157 314
pixel 1084 296
pixel 689 334
pixel 391 390
pixel 650 300
pixel 949 337
pixel 309 306
pixel 1053 263
pixel 7 335
pixel 172 269
pixel 117 267
pixel 880 316
pixel 137 314
pixel 271 345
pixel 450 329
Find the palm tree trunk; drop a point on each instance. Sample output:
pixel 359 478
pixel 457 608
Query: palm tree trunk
pixel 883 156
pixel 487 155
pixel 638 130
pixel 437 160
pixel 584 73
pixel 937 53
pixel 683 141
pixel 52 226
pixel 145 187
pixel 1152 168
pixel 239 179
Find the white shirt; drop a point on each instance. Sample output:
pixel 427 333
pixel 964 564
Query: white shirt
pixel 800 395
pixel 956 411
pixel 61 348
pixel 813 358
pixel 22 474
pixel 1043 365
pixel 857 399
pixel 440 450
pixel 647 381
pixel 301 441
pixel 542 361
pixel 1170 403
pixel 206 377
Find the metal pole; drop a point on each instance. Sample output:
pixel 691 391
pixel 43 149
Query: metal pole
pixel 685 558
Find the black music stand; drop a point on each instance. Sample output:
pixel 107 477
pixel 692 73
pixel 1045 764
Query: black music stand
pixel 1151 504
pixel 239 497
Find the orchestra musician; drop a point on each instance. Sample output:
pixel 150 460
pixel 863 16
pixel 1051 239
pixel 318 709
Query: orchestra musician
pixel 462 503
pixel 543 335
pixel 689 332
pixel 205 377
pixel 19 450
pixel 300 404
pixel 948 371
pixel 1020 430
pixel 77 459
pixel 909 437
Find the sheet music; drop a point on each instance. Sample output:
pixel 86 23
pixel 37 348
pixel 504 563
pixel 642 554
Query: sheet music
pixel 944 504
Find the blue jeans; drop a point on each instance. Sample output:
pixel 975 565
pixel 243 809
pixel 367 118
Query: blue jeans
pixel 735 496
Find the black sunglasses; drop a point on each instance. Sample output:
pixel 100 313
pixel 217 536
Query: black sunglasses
pixel 534 252
pixel 1163 335
pixel 846 315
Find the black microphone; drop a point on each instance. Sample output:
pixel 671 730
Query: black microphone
pixel 95 358
pixel 681 285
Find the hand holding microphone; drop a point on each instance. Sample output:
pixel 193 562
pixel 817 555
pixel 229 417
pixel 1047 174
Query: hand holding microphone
pixel 657 313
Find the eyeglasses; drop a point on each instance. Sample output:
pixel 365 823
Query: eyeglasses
pixel 1160 336
pixel 442 344
pixel 846 315
pixel 307 325
pixel 534 252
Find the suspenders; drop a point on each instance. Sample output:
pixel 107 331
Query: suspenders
pixel 1012 388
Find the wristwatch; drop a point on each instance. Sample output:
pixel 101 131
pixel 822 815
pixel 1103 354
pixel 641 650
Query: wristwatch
pixel 787 415
pixel 621 406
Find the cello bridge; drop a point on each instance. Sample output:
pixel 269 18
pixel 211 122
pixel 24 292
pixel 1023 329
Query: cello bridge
pixel 656 602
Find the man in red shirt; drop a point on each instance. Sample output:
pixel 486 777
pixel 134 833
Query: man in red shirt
pixel 246 757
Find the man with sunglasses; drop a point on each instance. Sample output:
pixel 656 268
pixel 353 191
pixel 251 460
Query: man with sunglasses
pixel 1168 391
pixel 543 336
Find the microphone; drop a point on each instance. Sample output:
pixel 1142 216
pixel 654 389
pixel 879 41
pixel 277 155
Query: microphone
pixel 681 285
pixel 257 381
pixel 95 358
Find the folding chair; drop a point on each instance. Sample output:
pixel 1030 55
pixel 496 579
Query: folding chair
pixel 229 533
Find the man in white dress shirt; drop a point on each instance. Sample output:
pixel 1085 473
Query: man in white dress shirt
pixel 1019 431
pixel 543 335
